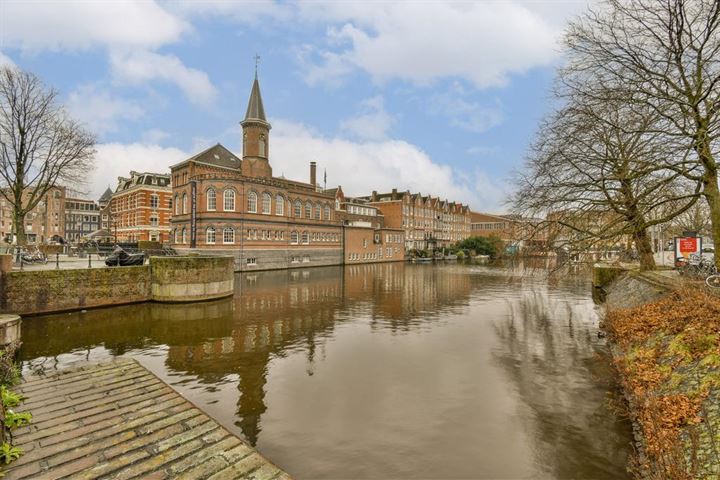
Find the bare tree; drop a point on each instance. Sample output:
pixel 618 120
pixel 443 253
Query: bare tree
pixel 40 146
pixel 664 54
pixel 598 170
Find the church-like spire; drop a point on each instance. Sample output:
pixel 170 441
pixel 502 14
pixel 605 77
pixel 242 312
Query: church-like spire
pixel 255 109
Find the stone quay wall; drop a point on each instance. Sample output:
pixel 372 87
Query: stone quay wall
pixel 165 279
pixel 189 279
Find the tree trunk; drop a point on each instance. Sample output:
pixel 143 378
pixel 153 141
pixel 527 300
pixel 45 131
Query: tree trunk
pixel 19 227
pixel 712 195
pixel 644 249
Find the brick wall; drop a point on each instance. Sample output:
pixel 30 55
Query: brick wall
pixel 58 290
pixel 166 279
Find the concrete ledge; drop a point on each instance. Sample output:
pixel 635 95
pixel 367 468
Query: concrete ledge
pixel 191 279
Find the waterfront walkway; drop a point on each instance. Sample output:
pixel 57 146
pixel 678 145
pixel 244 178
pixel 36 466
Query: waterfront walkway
pixel 117 420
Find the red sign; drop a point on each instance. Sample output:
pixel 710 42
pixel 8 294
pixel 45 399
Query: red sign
pixel 689 245
pixel 684 246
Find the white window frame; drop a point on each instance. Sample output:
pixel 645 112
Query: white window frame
pixel 211 199
pixel 279 205
pixel 210 239
pixel 266 203
pixel 252 202
pixel 226 231
pixel 229 200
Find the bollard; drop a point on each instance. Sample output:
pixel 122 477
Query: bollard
pixel 89 260
pixel 57 261
pixel 9 329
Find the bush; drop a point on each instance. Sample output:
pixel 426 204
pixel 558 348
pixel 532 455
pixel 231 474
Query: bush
pixel 491 246
pixel 9 419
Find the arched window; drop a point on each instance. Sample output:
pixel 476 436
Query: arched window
pixel 261 146
pixel 294 238
pixel 175 234
pixel 252 202
pixel 184 206
pixel 266 203
pixel 211 199
pixel 210 235
pixel 184 235
pixel 327 212
pixel 298 209
pixel 279 205
pixel 229 200
pixel 177 206
pixel 228 235
pixel 308 210
pixel 305 238
pixel 317 212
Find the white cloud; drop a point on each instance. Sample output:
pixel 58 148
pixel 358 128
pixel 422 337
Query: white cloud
pixel 6 61
pixel 78 24
pixel 129 30
pixel 463 113
pixel 100 110
pixel 155 136
pixel 137 67
pixel 117 160
pixel 372 123
pixel 361 167
pixel 242 12
pixel 483 42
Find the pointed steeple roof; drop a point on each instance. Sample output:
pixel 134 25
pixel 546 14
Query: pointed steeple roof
pixel 106 196
pixel 255 109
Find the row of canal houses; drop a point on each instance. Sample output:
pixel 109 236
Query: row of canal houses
pixel 218 203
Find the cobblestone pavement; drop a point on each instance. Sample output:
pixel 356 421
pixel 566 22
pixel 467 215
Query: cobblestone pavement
pixel 117 420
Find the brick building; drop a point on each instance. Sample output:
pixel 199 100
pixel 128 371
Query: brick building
pixel 44 223
pixel 82 217
pixel 426 221
pixel 517 233
pixel 227 205
pixel 140 208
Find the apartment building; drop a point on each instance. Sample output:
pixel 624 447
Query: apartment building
pixel 427 222
pixel 140 208
pixel 44 223
pixel 82 217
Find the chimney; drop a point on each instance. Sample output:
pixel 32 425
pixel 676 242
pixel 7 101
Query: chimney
pixel 313 173
pixel 373 197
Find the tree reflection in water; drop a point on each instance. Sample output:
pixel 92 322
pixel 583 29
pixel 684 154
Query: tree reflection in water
pixel 543 359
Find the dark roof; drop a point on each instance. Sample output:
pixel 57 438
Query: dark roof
pixel 217 155
pixel 255 109
pixel 106 196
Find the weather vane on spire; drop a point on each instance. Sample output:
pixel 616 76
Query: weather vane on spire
pixel 257 60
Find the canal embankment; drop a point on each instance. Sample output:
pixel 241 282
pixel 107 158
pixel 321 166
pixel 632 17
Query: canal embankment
pixel 665 339
pixel 163 279
pixel 118 420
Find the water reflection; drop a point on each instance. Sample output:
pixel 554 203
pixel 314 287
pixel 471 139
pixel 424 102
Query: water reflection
pixel 368 371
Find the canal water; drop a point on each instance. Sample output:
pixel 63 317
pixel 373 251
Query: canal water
pixel 380 371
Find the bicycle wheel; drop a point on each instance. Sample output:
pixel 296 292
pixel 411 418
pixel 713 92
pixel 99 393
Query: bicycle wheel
pixel 713 281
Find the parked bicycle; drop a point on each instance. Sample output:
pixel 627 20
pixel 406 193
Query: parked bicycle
pixel 32 256
pixel 699 267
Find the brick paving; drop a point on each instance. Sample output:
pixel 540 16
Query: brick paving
pixel 116 420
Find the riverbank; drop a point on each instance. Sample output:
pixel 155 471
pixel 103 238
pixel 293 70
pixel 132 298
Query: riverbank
pixel 665 338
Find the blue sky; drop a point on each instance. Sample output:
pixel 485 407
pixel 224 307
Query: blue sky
pixel 437 97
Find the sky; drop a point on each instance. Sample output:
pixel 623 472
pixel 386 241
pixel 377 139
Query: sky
pixel 441 98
